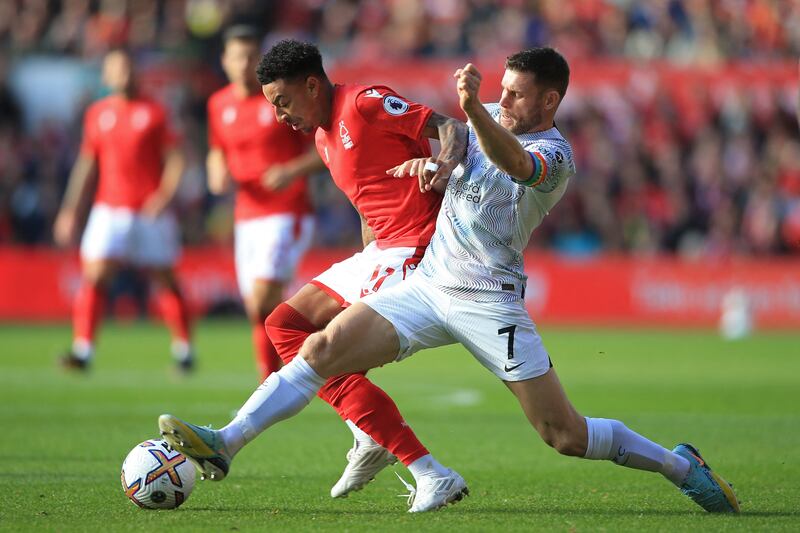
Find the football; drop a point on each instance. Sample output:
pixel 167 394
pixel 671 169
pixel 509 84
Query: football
pixel 154 476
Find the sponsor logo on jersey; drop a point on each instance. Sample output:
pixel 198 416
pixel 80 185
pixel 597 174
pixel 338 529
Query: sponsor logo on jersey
pixel 394 105
pixel 372 93
pixel 559 156
pixel 140 119
pixel 462 189
pixel 347 141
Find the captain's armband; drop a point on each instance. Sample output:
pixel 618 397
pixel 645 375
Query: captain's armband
pixel 539 172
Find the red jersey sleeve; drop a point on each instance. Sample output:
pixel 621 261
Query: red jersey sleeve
pixel 385 109
pixel 89 140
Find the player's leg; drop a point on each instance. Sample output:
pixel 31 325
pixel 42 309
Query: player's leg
pixel 357 400
pixel 87 312
pixel 266 295
pixel 359 338
pixel 504 339
pixel 175 313
pixel 380 434
pixel 155 248
pixel 104 244
pixel 286 392
pixel 268 250
pixel 546 405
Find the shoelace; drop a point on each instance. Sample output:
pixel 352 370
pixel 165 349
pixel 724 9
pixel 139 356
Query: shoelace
pixel 412 492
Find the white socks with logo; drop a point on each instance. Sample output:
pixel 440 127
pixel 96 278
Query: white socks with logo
pixel 612 440
pixel 282 395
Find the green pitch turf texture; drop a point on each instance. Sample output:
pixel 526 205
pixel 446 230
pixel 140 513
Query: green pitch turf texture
pixel 64 436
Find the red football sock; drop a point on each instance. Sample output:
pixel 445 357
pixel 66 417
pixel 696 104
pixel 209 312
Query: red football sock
pixel 174 312
pixel 266 356
pixel 86 312
pixel 287 330
pixel 366 405
pixel 353 396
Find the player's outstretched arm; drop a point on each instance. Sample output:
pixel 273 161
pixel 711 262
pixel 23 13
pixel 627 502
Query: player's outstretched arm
pixel 64 229
pixel 500 145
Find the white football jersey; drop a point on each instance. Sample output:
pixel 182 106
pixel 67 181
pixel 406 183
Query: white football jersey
pixel 487 218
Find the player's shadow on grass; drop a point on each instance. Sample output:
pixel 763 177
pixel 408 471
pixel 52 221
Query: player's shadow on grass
pixel 558 511
pixel 561 511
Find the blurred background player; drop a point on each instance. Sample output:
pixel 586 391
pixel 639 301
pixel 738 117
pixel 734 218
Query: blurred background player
pixel 126 136
pixel 268 162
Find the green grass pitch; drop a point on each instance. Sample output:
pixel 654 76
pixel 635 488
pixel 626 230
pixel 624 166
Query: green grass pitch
pixel 64 437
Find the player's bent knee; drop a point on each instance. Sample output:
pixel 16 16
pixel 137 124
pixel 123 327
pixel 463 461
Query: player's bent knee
pixel 563 440
pixel 318 351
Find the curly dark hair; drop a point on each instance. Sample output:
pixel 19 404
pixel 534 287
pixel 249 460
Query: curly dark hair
pixel 549 67
pixel 290 60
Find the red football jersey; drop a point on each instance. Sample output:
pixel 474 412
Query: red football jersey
pixel 128 138
pixel 372 129
pixel 252 139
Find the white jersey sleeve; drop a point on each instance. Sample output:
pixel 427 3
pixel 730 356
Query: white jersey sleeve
pixel 487 218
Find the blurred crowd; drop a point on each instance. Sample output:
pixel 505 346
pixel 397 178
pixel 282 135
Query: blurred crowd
pixel 650 180
pixel 686 31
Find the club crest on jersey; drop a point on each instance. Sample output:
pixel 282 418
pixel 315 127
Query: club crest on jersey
pixel 347 141
pixel 140 119
pixel 229 115
pixel 107 120
pixel 394 106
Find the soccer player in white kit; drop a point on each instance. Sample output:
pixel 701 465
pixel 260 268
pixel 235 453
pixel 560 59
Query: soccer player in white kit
pixel 469 289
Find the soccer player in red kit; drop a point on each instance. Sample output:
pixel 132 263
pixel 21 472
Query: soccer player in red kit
pixel 128 138
pixel 361 132
pixel 268 162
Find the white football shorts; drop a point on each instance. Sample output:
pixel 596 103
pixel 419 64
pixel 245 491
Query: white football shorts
pixel 270 247
pixel 500 335
pixel 368 271
pixel 122 234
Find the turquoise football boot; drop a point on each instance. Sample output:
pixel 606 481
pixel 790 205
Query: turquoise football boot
pixel 202 446
pixel 704 486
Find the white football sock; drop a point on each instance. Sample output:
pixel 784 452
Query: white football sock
pixel 82 349
pixel 282 395
pixel 426 466
pixel 612 440
pixel 358 433
pixel 181 350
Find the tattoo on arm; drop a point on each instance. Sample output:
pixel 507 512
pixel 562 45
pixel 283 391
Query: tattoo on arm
pixel 452 135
